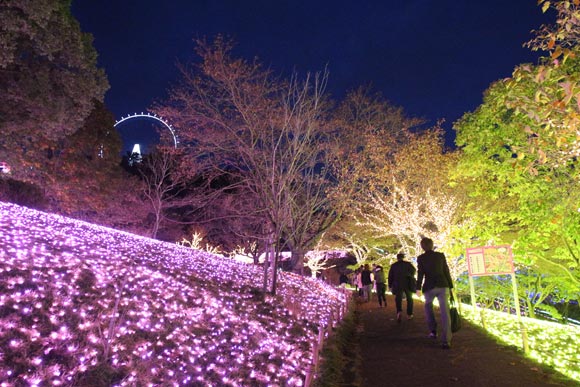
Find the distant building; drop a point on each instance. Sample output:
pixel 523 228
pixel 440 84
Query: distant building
pixel 136 156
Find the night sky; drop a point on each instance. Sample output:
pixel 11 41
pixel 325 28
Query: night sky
pixel 433 58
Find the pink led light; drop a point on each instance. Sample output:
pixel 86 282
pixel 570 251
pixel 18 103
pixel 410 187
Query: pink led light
pixel 163 313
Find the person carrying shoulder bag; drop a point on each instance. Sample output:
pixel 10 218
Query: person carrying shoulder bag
pixel 433 269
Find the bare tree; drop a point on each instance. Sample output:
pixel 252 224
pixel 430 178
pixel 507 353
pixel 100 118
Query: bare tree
pixel 165 184
pixel 279 142
pixel 263 136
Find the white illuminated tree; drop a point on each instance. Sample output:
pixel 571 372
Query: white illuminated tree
pixel 316 261
pixel 411 199
pixel 358 249
pixel 197 243
pixel 408 217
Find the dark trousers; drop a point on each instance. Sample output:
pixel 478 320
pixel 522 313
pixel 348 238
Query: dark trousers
pixel 381 293
pixel 399 301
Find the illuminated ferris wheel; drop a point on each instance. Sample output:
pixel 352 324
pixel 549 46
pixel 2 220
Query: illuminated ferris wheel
pixel 154 117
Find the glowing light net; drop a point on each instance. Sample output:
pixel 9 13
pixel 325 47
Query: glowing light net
pixel 79 300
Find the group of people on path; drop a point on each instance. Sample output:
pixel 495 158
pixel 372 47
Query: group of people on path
pixel 433 281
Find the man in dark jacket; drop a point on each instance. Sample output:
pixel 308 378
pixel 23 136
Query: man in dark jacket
pixel 433 267
pixel 402 282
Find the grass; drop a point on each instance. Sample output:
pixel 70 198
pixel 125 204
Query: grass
pixel 340 359
pixel 550 344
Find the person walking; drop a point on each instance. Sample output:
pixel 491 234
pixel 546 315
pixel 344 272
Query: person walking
pixel 433 268
pixel 381 285
pixel 367 282
pixel 358 282
pixel 402 283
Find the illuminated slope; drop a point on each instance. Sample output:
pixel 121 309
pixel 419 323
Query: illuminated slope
pixel 81 303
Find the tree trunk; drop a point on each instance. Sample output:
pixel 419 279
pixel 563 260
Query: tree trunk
pixel 297 261
pixel 156 224
pixel 267 259
pixel 275 267
pixel 531 312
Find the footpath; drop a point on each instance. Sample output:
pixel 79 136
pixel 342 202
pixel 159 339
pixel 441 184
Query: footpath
pixel 401 354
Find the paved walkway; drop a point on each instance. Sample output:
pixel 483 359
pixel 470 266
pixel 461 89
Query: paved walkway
pixel 401 354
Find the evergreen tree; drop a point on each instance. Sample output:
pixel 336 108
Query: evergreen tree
pixel 49 82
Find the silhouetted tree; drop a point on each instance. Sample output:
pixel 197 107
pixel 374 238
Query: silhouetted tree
pixel 49 82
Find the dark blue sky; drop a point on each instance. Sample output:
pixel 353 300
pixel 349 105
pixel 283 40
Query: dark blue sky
pixel 434 58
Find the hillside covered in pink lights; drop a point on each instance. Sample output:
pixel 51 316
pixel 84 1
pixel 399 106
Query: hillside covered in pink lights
pixel 86 305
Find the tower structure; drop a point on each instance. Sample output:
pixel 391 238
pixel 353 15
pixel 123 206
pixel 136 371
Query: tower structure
pixel 136 156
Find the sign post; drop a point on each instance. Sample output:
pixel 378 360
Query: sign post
pixel 495 260
pixel 517 304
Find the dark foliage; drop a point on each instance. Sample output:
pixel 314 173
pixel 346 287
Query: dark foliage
pixel 22 193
